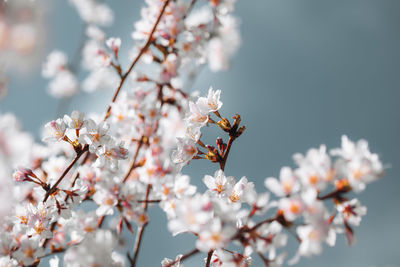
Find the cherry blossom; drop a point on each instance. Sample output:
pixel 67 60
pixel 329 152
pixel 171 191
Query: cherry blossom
pixel 186 151
pixel 359 165
pixel 212 102
pixel 288 183
pixel 219 184
pixel 56 62
pixel 97 175
pixel 350 212
pixel 54 130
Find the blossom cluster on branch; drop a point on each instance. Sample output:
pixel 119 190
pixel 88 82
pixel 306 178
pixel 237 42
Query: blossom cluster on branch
pixel 131 157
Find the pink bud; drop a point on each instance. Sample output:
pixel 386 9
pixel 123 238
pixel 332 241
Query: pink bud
pixel 22 174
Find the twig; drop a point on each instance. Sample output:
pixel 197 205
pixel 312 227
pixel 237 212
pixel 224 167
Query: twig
pixel 185 256
pixel 270 220
pixel 75 177
pixel 100 221
pixel 265 260
pixel 150 201
pixel 209 255
pixel 54 187
pixel 132 165
pixel 226 153
pixel 140 230
pixel 141 52
pixel 139 55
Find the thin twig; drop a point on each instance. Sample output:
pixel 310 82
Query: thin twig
pixel 185 256
pixel 75 177
pixel 140 230
pixel 133 165
pixel 150 201
pixel 209 255
pixel 226 153
pixel 265 260
pixel 54 187
pixel 270 220
pixel 141 52
pixel 139 55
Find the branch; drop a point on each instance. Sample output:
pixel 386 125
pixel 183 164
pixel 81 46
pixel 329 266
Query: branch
pixel 228 148
pixel 234 132
pixel 270 220
pixel 141 229
pixel 184 257
pixel 141 52
pixel 150 201
pixel 133 165
pixel 209 255
pixel 54 187
pixel 265 260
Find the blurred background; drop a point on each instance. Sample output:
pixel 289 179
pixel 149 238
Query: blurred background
pixel 306 73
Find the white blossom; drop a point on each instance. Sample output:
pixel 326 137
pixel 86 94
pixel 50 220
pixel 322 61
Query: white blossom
pixel 56 63
pixel 186 151
pixel 286 185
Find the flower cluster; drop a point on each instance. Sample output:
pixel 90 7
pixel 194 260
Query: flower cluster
pixel 63 81
pixel 225 213
pixel 81 133
pixel 155 118
pixel 197 118
pixel 183 41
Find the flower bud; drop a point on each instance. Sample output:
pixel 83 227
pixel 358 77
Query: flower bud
pixel 114 44
pixel 212 154
pixel 224 124
pixel 240 131
pixel 22 175
pixel 220 144
pixel 236 122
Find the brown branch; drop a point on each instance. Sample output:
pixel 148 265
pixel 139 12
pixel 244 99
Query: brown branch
pixel 54 187
pixel 209 255
pixel 139 55
pixel 336 194
pixel 270 220
pixel 114 98
pixel 234 132
pixel 184 257
pixel 133 165
pixel 141 230
pixel 75 177
pixel 100 221
pixel 150 201
pixel 265 260
pixel 226 153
